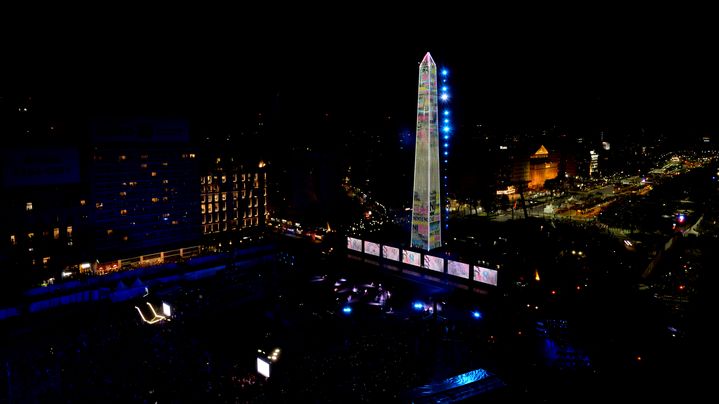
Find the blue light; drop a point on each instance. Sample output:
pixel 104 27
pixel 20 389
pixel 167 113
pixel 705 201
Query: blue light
pixel 446 113
pixel 444 72
pixel 445 145
pixel 446 137
pixel 444 97
pixel 445 153
pixel 476 314
pixel 446 121
pixel 444 88
pixel 347 310
pixel 446 128
pixel 418 306
pixel 445 161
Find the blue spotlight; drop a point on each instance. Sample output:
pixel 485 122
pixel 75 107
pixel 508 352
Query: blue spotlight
pixel 418 306
pixel 446 128
pixel 347 310
pixel 444 88
pixel 444 97
pixel 476 314
pixel 444 72
pixel 446 113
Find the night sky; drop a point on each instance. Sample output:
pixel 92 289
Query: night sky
pixel 595 68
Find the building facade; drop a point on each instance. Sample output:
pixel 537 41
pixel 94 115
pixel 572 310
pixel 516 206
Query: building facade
pixel 233 195
pixel 143 187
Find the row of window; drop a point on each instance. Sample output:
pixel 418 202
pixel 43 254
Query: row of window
pixel 55 234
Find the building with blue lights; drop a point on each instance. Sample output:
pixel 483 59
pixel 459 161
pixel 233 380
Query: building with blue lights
pixel 144 188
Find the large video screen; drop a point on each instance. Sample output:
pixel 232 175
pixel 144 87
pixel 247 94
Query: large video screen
pixel 412 258
pixel 457 268
pixel 485 275
pixel 391 253
pixel 354 244
pixel 434 263
pixel 371 248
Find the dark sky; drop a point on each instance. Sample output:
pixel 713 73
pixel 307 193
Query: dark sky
pixel 591 69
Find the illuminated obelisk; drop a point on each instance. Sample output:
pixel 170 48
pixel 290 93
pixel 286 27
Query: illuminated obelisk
pixel 426 205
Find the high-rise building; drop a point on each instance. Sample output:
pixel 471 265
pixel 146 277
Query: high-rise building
pixel 426 203
pixel 144 187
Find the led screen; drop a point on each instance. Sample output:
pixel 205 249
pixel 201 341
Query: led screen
pixel 434 263
pixel 485 275
pixel 371 248
pixel 458 269
pixel 166 309
pixel 391 253
pixel 412 258
pixel 354 244
pixel 263 367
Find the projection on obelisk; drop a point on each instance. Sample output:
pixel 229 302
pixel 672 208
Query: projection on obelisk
pixel 426 203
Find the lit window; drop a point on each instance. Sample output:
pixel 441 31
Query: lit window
pixel 28 206
pixel 155 199
pixel 13 240
pixel 153 174
pixel 122 157
pixel 56 233
pixel 165 199
pixel 224 179
pixel 192 155
pixel 165 164
pixel 82 202
pixel 123 193
pixel 143 165
pixel 123 212
pixel 69 231
pixel 165 181
pixel 30 235
pixel 98 205
pixel 45 260
pixel 109 232
pixel 224 196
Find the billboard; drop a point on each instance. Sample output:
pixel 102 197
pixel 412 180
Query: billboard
pixel 354 244
pixel 391 253
pixel 371 248
pixel 434 263
pixel 457 268
pixel 485 275
pixel 412 258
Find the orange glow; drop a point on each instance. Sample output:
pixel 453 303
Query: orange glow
pixel 536 275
